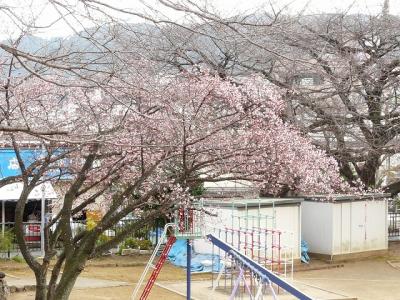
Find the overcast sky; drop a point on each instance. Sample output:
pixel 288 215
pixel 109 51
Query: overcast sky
pixel 47 14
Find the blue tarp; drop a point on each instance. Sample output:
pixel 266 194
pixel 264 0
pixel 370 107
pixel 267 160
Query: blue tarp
pixel 199 262
pixel 304 249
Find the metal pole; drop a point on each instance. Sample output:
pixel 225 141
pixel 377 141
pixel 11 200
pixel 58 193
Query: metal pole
pixel 42 213
pixel 188 263
pixel 3 216
pixel 212 268
pixel 156 231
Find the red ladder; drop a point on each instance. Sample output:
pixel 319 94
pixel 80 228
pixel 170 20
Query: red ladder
pixel 157 268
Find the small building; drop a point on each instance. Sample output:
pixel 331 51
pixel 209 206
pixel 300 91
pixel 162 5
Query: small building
pixel 283 214
pixel 40 197
pixel 39 201
pixel 339 227
pixel 229 189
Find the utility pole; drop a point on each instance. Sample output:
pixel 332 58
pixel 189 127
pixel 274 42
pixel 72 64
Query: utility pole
pixel 42 215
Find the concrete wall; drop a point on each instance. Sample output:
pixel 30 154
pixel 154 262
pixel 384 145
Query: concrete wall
pixel 345 227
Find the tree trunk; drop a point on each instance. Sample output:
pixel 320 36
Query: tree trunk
pixel 64 289
pixel 346 171
pixel 369 171
pixel 72 269
pixel 41 285
pixel 55 273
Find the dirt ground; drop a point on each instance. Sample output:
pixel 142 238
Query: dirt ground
pixel 125 268
pixel 114 293
pixel 367 279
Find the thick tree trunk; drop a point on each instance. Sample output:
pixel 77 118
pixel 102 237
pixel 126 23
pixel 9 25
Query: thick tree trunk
pixel 346 171
pixel 41 285
pixel 73 267
pixel 64 287
pixel 369 171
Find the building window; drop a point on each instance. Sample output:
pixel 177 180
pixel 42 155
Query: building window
pixel 308 79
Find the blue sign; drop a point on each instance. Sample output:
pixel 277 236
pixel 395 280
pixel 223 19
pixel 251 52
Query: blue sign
pixel 9 165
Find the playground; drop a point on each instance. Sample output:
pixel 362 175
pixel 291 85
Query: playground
pixel 227 250
pixel 249 258
pixel 221 253
pixel 363 280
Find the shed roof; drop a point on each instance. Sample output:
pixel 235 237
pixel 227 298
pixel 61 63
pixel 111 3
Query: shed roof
pixel 346 198
pixel 254 202
pixel 12 192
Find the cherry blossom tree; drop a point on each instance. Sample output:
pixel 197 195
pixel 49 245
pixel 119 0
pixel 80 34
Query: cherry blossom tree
pixel 122 135
pixel 340 71
pixel 139 147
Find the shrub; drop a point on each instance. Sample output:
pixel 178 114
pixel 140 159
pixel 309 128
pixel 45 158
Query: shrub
pixel 130 243
pixel 6 240
pixel 144 244
pixel 197 190
pixel 18 259
pixel 142 233
pixel 102 239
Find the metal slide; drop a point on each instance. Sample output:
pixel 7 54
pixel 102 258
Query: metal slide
pixel 157 268
pixel 150 263
pixel 257 268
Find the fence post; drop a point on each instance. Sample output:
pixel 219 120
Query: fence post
pixel 3 217
pixel 156 231
pixel 188 270
pixel 42 224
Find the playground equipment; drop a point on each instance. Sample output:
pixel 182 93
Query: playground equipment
pixel 187 225
pixel 150 265
pixel 254 234
pixel 157 267
pixel 260 273
pixel 255 255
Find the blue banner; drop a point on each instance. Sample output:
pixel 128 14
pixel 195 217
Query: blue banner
pixel 9 164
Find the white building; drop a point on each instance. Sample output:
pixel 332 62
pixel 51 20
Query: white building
pixel 283 214
pixel 345 226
